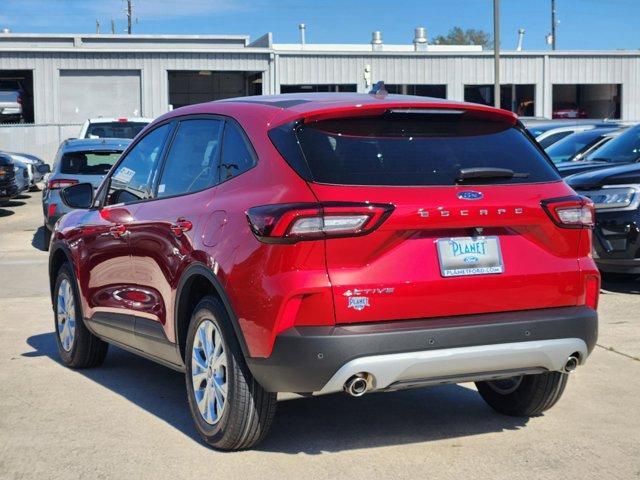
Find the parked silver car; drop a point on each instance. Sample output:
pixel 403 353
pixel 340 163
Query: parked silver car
pixel 21 178
pixel 36 166
pixel 77 161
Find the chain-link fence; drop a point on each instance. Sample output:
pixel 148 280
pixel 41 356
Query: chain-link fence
pixel 40 140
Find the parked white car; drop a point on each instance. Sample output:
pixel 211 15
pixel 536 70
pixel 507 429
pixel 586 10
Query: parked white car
pixel 113 127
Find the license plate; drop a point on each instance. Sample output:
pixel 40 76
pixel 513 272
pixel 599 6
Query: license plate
pixel 469 256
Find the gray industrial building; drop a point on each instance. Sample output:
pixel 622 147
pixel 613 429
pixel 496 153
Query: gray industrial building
pixel 69 78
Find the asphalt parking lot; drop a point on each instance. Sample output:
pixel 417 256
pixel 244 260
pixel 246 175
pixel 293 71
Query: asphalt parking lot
pixel 129 418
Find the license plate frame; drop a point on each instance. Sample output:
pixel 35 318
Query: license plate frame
pixel 467 256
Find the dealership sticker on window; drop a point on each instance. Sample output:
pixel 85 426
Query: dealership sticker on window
pixel 124 175
pixel 161 188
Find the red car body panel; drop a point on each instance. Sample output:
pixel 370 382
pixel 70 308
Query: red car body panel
pixel 273 287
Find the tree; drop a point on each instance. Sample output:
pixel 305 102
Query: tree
pixel 458 36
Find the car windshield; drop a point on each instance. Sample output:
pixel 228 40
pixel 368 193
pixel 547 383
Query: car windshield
pixel 569 147
pixel 622 149
pixel 114 129
pixel 415 149
pixel 88 162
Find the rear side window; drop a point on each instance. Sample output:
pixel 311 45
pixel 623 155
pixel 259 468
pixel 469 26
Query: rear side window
pixel 192 160
pixel 409 150
pixel 88 163
pixel 237 155
pixel 114 129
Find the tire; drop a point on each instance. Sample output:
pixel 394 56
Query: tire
pixel 46 237
pixel 81 349
pixel 526 396
pixel 241 419
pixel 619 277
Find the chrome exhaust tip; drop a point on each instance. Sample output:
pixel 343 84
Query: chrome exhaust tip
pixel 357 385
pixel 571 365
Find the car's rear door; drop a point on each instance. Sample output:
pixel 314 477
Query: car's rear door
pixel 456 243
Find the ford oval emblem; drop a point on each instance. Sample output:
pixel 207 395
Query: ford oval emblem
pixel 470 195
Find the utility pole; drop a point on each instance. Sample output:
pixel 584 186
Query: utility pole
pixel 496 53
pixel 553 24
pixel 129 15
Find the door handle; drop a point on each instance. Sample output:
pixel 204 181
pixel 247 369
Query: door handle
pixel 119 231
pixel 182 225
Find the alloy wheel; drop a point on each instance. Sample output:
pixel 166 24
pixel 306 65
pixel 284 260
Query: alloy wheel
pixel 505 386
pixel 209 371
pixel 66 314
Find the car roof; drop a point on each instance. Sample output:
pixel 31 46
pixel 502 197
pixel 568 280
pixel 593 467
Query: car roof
pixel 544 127
pixel 595 132
pixel 83 144
pixel 283 108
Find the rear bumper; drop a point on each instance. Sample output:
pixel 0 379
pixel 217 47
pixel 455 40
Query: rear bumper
pixel 440 350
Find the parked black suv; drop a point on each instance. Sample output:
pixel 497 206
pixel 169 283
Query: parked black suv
pixel 8 187
pixel 615 191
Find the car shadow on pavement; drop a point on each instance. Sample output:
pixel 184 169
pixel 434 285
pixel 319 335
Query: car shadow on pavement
pixel 337 422
pixel 310 425
pixel 629 285
pixel 152 387
pixel 6 213
pixel 38 239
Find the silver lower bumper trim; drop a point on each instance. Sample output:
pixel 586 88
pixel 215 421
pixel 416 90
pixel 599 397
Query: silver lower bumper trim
pixel 455 365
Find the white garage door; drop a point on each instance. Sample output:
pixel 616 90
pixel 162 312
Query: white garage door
pixel 94 93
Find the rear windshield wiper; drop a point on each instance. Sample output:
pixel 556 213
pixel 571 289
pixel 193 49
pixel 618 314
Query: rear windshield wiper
pixel 475 173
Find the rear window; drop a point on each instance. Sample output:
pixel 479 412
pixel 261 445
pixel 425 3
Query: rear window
pixel 623 149
pixel 88 163
pixel 569 147
pixel 409 150
pixel 114 129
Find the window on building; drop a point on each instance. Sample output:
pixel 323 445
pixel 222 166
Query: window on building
pixel 586 101
pixel 519 99
pixel 16 96
pixel 318 88
pixel 187 87
pixel 435 91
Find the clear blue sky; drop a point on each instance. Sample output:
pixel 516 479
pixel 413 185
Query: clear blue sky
pixel 584 24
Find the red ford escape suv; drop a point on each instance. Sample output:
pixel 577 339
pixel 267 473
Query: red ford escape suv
pixel 328 242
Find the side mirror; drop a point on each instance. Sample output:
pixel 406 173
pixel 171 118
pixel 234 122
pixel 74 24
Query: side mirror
pixel 79 195
pixel 43 168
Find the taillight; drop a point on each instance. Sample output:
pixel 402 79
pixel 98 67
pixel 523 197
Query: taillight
pixel 292 222
pixel 570 212
pixel 61 183
pixel 51 211
pixel 592 291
